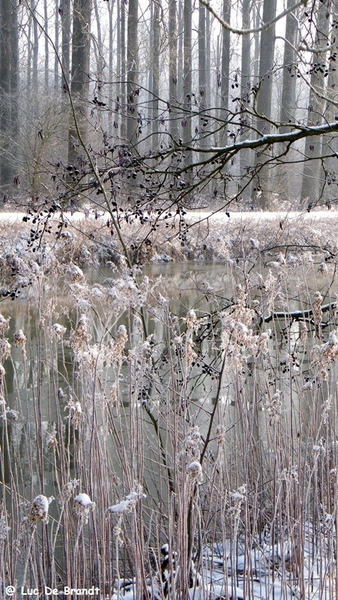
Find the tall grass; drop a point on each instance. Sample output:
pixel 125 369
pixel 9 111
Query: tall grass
pixel 129 423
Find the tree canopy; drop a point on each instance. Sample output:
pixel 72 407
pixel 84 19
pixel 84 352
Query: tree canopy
pixel 169 103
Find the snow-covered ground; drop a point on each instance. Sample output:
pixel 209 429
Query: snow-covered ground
pixel 222 215
pixel 267 572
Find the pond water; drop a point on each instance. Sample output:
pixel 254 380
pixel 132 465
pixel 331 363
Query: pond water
pixel 208 381
pixel 207 288
pixel 46 365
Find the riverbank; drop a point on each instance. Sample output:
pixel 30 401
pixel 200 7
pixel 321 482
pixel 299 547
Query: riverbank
pixel 91 239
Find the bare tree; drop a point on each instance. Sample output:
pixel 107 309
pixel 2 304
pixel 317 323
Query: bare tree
pixel 288 102
pixel 202 67
pixel 245 98
pixel 330 143
pixel 79 80
pixel 172 72
pixel 155 73
pixel 187 85
pixel 225 72
pixel 225 141
pixel 121 68
pixel 132 73
pixel 313 180
pixel 64 11
pixel 288 98
pixel 264 101
pixel 9 73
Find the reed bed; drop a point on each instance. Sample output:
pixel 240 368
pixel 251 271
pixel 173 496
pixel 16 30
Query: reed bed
pixel 170 445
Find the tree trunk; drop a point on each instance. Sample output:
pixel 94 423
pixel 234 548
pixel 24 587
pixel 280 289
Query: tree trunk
pixel 208 61
pixel 8 92
pixel 246 155
pixel 100 71
pixel 56 41
pixel 330 142
pixel 202 69
pixel 79 80
pixel 173 78
pixel 46 66
pixel 132 74
pixel 155 75
pixel 264 101
pixel 313 176
pixel 110 67
pixel 225 74
pixel 286 181
pixel 64 11
pixel 180 57
pixel 187 87
pixel 121 68
pixel 288 103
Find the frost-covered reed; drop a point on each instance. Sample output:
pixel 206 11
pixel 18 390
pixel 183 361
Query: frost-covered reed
pixel 210 428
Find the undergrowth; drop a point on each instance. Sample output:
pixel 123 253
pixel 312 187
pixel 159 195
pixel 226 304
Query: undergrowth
pixel 134 417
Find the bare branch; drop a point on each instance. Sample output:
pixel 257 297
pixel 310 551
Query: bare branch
pixel 277 138
pixel 254 29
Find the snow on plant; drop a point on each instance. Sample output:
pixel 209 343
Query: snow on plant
pixel 2 374
pixel 192 443
pixel 80 337
pixel 11 414
pixel 67 491
pixel 194 472
pixel 83 505
pixel 20 341
pixel 192 321
pixel 75 273
pixel 51 438
pixel 238 338
pixel 190 455
pixel 318 449
pixel 163 302
pixel 129 502
pixel 39 509
pixel 289 475
pixel 59 330
pixel 114 393
pixel 236 326
pixel 324 354
pixel 4 324
pixel 303 331
pixel 220 434
pixel 272 286
pixel 120 342
pixel 8 413
pixel 238 496
pixel 326 409
pixel 5 348
pixel 92 358
pixel 157 439
pixel 317 308
pixel 273 407
pixel 4 529
pixel 75 412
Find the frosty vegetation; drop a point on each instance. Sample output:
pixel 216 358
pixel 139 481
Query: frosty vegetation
pixel 169 438
pixel 170 444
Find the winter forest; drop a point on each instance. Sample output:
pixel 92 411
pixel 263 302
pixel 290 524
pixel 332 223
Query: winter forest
pixel 168 299
pixel 160 102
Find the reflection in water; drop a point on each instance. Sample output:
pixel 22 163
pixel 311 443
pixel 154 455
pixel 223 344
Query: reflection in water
pixel 145 383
